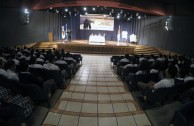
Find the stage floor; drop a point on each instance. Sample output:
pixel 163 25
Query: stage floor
pixel 86 42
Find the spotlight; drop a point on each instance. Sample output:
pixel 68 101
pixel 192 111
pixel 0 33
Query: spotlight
pixel 85 8
pixel 66 10
pixel 86 13
pixel 26 11
pixel 118 16
pixel 93 9
pixel 139 17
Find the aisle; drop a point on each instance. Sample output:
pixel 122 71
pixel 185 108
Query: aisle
pixel 96 97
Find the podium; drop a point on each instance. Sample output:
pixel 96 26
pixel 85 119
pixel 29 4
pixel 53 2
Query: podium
pixel 50 37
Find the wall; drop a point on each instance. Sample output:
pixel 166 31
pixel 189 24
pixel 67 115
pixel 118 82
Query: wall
pixel 180 39
pixel 14 32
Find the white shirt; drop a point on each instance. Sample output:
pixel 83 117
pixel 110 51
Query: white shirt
pixel 12 75
pixel 165 83
pixel 39 60
pixel 160 59
pixel 50 66
pixel 124 60
pixel 3 59
pixel 36 66
pixel 192 65
pixel 188 79
pixel 130 65
pixel 154 71
pixel 60 62
pixel 3 72
pixel 69 58
pixel 151 60
pixel 17 62
pixel 141 59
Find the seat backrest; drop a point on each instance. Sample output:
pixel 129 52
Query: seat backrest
pixel 56 75
pixel 38 71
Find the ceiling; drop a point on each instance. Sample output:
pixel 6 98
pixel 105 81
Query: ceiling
pixel 154 7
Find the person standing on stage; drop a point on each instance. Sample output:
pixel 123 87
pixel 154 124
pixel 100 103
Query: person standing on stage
pixel 69 35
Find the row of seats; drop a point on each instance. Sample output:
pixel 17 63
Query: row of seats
pixel 37 76
pixel 141 73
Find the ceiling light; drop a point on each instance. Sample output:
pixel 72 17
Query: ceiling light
pixel 93 9
pixel 139 17
pixel 85 8
pixel 66 10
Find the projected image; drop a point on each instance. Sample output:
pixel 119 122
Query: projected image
pixel 97 22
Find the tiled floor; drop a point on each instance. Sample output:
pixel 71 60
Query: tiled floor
pixel 96 97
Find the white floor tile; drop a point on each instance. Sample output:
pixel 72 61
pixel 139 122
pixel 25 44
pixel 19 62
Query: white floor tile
pixel 62 105
pixel 88 121
pixel 126 121
pixel 67 120
pixel 52 118
pixel 142 120
pixel 105 108
pixel 120 107
pixel 74 106
pixel 89 108
pixel 109 121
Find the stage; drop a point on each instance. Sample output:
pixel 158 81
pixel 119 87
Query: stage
pixel 83 46
pixel 110 47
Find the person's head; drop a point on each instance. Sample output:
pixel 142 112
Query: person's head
pixel 127 56
pixel 1 64
pixel 171 71
pixel 10 65
pixel 23 65
pixel 51 59
pixel 58 57
pixel 32 60
pixel 67 54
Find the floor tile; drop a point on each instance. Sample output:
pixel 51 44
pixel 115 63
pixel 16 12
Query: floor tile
pixel 74 106
pixel 102 89
pixel 67 120
pixel 90 97
pixel 89 108
pixel 127 97
pixel 52 118
pixel 88 121
pixel 77 96
pixel 126 121
pixel 103 98
pixel 91 83
pixel 66 95
pixel 91 89
pixel 82 83
pixel 120 107
pixel 109 121
pixel 105 108
pixel 116 97
pixel 142 120
pixel 80 88
pixel 62 105
pixel 72 87
pixel 121 89
pixel 113 89
pixel 131 107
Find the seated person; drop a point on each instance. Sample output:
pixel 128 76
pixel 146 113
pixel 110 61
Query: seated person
pixel 11 68
pixel 2 70
pixel 125 59
pixel 39 59
pixel 50 65
pixel 59 61
pixel 171 72
pixel 26 77
pixel 33 63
